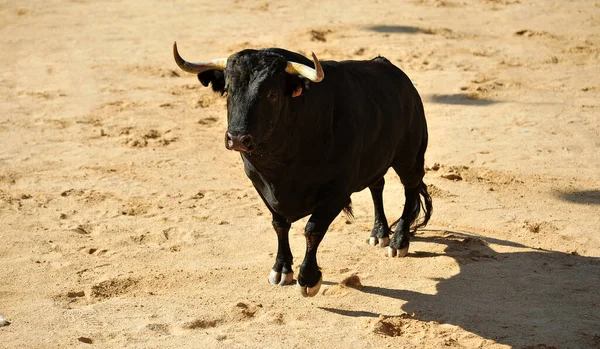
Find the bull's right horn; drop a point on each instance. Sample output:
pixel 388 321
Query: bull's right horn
pixel 197 68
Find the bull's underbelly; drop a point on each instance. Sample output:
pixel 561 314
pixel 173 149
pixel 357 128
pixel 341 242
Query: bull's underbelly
pixel 295 198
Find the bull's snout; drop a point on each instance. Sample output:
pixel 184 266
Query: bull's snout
pixel 239 142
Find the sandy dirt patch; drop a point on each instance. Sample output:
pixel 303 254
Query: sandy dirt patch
pixel 126 223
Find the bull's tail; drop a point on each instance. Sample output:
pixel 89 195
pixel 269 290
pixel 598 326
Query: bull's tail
pixel 348 211
pixel 425 204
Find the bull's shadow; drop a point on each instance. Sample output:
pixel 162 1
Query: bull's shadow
pixel 404 29
pixel 590 197
pixel 461 99
pixel 519 298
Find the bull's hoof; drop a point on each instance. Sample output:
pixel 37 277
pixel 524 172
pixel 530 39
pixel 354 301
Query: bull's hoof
pixel 373 240
pixel 397 252
pixel 381 242
pixel 277 278
pixel 306 291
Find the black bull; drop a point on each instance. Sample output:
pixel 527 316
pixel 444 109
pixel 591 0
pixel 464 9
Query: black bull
pixel 307 146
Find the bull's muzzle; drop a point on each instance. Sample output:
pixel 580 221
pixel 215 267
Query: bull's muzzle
pixel 239 142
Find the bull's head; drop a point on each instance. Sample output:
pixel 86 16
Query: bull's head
pixel 259 86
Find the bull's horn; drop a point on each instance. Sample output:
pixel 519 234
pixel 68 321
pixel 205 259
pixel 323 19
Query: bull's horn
pixel 314 75
pixel 197 68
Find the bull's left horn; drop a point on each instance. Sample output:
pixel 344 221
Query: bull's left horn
pixel 314 75
pixel 197 68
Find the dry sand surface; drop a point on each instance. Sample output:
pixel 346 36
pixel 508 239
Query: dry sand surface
pixel 126 223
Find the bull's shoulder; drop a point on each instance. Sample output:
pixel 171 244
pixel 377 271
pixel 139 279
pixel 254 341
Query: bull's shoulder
pixel 377 62
pixel 375 67
pixel 381 59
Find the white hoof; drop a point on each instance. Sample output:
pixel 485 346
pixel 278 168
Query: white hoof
pixel 310 291
pixel 274 277
pixel 392 252
pixel 277 278
pixel 403 252
pixel 384 242
pixel 286 279
pixel 373 240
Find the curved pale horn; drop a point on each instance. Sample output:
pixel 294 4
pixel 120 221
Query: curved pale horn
pixel 314 75
pixel 197 68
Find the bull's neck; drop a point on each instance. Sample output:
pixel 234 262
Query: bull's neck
pixel 303 140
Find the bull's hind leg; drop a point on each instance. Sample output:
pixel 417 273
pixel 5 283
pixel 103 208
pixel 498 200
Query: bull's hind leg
pixel 416 198
pixel 380 235
pixel 282 273
pixel 401 238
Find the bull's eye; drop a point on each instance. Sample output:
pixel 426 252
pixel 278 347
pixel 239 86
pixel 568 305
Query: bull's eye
pixel 272 95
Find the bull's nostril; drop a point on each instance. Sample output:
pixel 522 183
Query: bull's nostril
pixel 247 142
pixel 228 140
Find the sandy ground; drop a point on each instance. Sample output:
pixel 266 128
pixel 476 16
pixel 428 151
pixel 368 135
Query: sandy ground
pixel 126 223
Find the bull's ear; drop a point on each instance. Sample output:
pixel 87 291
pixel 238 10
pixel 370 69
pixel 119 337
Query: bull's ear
pixel 214 77
pixel 297 92
pixel 296 85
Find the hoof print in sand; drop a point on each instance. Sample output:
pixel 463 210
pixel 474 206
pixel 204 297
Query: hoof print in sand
pixel 245 310
pixel 200 324
pixel 112 288
pixel 135 208
pixel 405 325
pixel 150 137
pixel 70 299
pixel 160 329
pixel 389 327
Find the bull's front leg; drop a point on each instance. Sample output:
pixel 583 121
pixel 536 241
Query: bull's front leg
pixel 282 273
pixel 310 277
